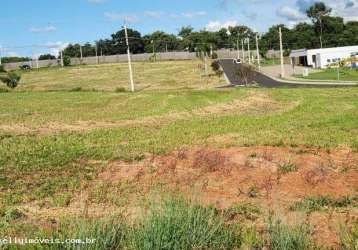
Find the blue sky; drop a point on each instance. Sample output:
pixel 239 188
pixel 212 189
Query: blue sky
pixel 50 24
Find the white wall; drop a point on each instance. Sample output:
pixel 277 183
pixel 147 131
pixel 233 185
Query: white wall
pixel 323 55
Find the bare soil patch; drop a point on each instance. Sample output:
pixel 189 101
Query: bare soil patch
pixel 225 178
pixel 269 178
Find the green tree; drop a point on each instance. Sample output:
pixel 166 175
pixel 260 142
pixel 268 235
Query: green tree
pixel 47 57
pixel 185 31
pixel 135 41
pixel 239 33
pixel 350 34
pixel 333 28
pixel 317 12
pixel 160 41
pixel 302 36
pixel 271 39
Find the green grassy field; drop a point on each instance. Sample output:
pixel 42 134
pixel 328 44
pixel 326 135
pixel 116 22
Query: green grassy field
pixel 156 75
pixel 54 143
pixel 332 74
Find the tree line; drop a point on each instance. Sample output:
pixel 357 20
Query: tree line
pixel 324 30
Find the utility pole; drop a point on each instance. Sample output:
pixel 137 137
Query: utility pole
pixel 81 53
pixel 238 49
pixel 129 59
pixel 281 54
pixel 166 47
pixel 96 54
pixel 258 52
pixel 61 54
pixel 243 50
pixel 0 54
pixel 206 65
pixel 248 49
pixel 37 61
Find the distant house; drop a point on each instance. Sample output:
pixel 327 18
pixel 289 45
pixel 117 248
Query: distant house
pixel 322 58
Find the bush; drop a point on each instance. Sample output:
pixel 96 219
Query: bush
pixel 2 69
pixel 215 65
pixel 66 61
pixel 4 90
pixel 246 73
pixel 76 89
pixel 120 90
pixel 11 79
pixel 214 55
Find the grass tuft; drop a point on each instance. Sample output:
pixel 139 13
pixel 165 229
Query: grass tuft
pixel 323 202
pixel 286 237
pixel 287 168
pixel 181 225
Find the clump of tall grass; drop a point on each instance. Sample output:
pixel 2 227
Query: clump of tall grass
pixel 172 224
pixel 282 236
pixel 95 235
pixel 178 224
pixel 349 237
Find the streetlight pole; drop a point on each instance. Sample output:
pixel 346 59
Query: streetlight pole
pixel 129 59
pixel 258 52
pixel 281 54
pixel 243 50
pixel 248 49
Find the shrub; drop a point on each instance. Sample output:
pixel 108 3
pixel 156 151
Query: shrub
pixel 3 90
pixel 13 214
pixel 215 65
pixel 120 90
pixel 214 55
pixel 2 69
pixel 11 79
pixel 246 73
pixel 66 61
pixel 76 89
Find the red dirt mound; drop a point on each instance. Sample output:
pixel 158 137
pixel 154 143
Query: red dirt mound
pixel 269 176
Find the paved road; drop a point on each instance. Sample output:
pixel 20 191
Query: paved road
pixel 264 80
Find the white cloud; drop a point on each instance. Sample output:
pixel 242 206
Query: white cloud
pixel 45 29
pixel 55 47
pixel 113 16
pixel 347 9
pixel 217 25
pixel 290 14
pixel 153 14
pixel 194 14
